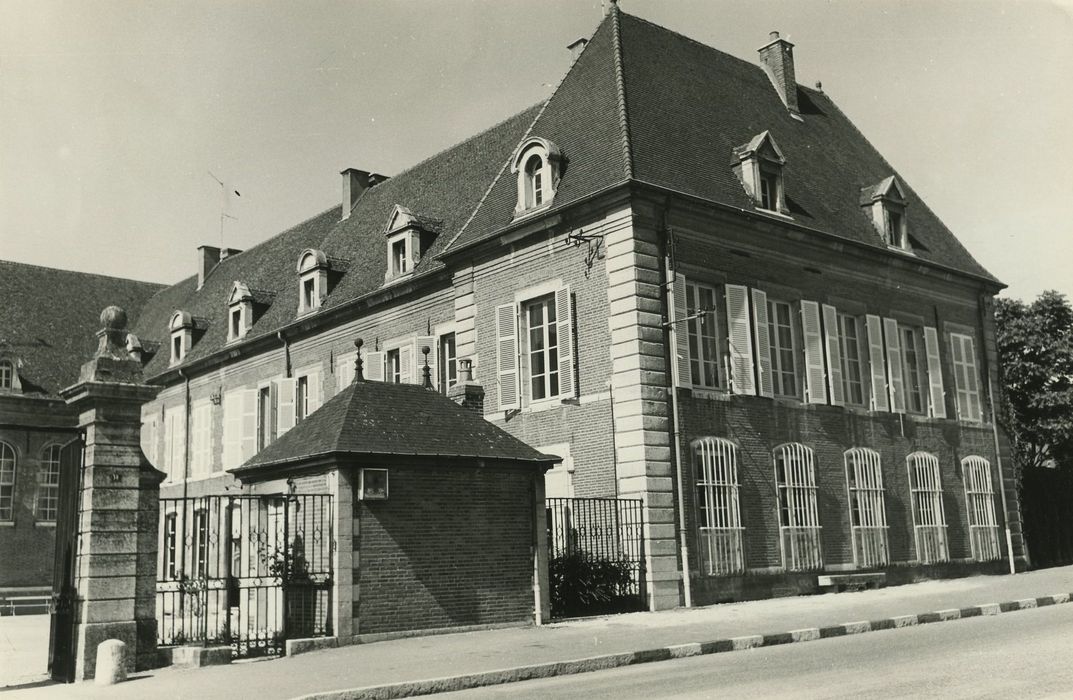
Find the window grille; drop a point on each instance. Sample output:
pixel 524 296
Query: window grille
pixel 49 486
pixel 980 504
pixel 799 522
pixel 929 519
pixel 719 516
pixel 7 482
pixel 868 517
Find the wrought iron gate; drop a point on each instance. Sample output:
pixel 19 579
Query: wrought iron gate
pixel 61 651
pixel 596 556
pixel 246 571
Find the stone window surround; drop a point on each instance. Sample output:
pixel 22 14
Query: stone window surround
pixel 550 167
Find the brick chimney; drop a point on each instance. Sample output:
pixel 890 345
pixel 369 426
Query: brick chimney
pixel 777 58
pixel 208 257
pixel 354 183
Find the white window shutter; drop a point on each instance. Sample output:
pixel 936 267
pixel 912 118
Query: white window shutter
pixel 232 429
pixel 763 345
pixel 249 424
pixel 835 389
pixel 286 390
pixel 344 371
pixel 936 395
pixel 507 356
pixel 426 341
pixel 739 339
pixel 815 377
pixel 313 389
pixel 876 363
pixel 373 366
pixel 680 328
pixel 564 322
pixel 406 364
pixel 895 381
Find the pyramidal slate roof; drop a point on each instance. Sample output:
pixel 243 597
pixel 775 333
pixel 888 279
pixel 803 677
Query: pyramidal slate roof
pixel 378 418
pixel 640 104
pixel 49 319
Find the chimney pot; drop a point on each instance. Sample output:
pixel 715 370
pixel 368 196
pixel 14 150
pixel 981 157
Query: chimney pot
pixel 354 183
pixel 777 59
pixel 208 257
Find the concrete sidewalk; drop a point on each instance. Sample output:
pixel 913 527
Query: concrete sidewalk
pixel 463 660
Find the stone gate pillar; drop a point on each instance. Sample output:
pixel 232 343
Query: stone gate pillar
pixel 115 579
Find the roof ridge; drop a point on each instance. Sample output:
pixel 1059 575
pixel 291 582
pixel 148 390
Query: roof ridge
pixel 620 84
pixel 528 131
pixel 85 274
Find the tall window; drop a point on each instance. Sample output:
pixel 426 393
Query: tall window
pixel 7 482
pixel 7 374
pixel 715 462
pixel 448 362
pixel 266 418
pixel 534 194
pixel 849 340
pixel 400 263
pixel 893 232
pixel 783 353
pixel 236 323
pixel 301 398
pixel 965 376
pixel 799 521
pixel 543 348
pixel 980 504
pixel 309 293
pixel 929 519
pixel 394 366
pixel 769 190
pixel 175 443
pixel 703 347
pixel 201 439
pixel 914 369
pixel 868 517
pixel 171 542
pixel 201 542
pixel 48 487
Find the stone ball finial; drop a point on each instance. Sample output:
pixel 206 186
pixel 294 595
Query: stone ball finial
pixel 114 318
pixel 358 343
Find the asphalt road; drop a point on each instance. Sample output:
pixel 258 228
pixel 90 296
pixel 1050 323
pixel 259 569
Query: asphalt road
pixel 1023 655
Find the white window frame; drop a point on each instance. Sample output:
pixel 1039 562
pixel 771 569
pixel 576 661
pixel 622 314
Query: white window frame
pixel 980 508
pixel 547 173
pixel 720 532
pixel 703 337
pixel 48 484
pixel 7 375
pixel 800 533
pixel 182 336
pixel 550 352
pixel 9 467
pixel 170 546
pixel 312 280
pixel 966 377
pixel 236 322
pixel 266 426
pixel 447 362
pixel 777 361
pixel 867 508
pixel 926 504
pixel 860 350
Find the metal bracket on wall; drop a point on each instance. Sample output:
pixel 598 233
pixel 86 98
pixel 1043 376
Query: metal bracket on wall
pixel 595 247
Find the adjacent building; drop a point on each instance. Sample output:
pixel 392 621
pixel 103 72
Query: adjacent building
pixel 684 274
pixel 48 319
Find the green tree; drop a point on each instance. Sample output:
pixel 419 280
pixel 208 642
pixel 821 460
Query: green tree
pixel 1035 342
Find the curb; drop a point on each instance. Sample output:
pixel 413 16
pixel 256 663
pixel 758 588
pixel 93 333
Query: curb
pixel 677 651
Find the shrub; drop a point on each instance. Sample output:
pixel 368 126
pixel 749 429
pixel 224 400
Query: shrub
pixel 584 585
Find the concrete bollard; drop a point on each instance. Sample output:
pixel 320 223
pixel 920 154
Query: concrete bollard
pixel 111 662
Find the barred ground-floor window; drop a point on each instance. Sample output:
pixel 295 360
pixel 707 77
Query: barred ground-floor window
pixel 715 462
pixel 929 518
pixel 799 522
pixel 868 517
pixel 980 505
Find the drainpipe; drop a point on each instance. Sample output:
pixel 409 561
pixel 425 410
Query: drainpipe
pixel 186 465
pixel 286 354
pixel 667 283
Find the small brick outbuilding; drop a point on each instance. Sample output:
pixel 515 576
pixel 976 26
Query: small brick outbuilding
pixel 438 515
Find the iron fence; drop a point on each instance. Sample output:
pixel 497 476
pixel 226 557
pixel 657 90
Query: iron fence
pixel 247 571
pixel 596 555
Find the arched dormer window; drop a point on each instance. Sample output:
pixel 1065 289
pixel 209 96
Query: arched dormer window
pixel 312 280
pixel 759 165
pixel 182 335
pixel 884 204
pixel 537 167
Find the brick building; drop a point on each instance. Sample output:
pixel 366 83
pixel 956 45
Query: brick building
pixel 47 326
pixel 691 278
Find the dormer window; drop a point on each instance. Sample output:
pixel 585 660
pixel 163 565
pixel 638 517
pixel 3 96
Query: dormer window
pixel 409 236
pixel 244 306
pixel 8 376
pixel 759 165
pixel 313 280
pixel 885 205
pixel 537 166
pixel 182 335
pixel 236 330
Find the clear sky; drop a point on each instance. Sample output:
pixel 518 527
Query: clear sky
pixel 113 114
